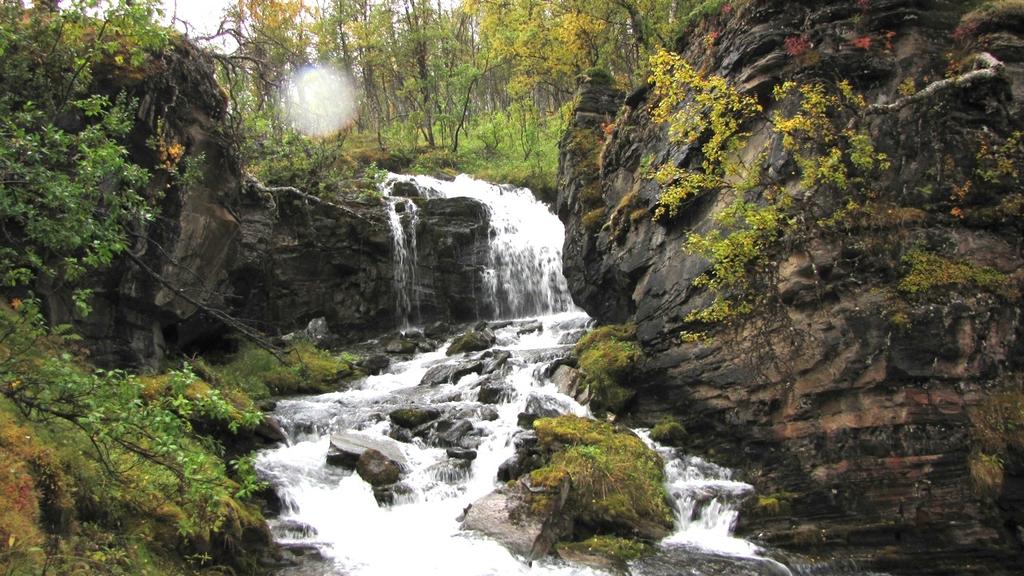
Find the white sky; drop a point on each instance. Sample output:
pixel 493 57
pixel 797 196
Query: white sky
pixel 203 15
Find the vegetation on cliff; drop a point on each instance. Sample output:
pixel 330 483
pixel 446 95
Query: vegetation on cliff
pixel 607 357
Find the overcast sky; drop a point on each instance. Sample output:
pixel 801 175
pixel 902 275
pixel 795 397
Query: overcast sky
pixel 202 15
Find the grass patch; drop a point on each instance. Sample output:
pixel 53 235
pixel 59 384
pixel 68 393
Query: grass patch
pixel 259 374
pixel 991 16
pixel 617 481
pixel 607 356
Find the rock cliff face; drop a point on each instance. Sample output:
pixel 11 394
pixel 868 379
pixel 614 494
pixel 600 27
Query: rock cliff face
pixel 222 246
pixel 856 405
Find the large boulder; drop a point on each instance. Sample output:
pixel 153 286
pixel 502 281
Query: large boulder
pixel 347 447
pixel 541 406
pixel 450 372
pixel 472 341
pixel 508 516
pixel 377 469
pixel 413 417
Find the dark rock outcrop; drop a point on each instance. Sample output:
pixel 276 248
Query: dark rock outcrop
pixel 227 251
pixel 857 397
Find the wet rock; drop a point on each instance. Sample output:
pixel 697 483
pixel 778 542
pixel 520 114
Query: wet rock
pixel 478 412
pixel 404 189
pixel 461 453
pixel 449 373
pixel 413 417
pixel 495 391
pixel 496 361
pixel 316 332
pixel 454 434
pixel 506 516
pixel 293 529
pixel 527 457
pixel 538 406
pixel 377 469
pixel 347 447
pixel 437 330
pixel 375 364
pixel 387 494
pixel 270 430
pixel 400 346
pixel 530 327
pixel 472 341
pixel 569 382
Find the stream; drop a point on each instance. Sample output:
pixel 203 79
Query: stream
pixel 332 516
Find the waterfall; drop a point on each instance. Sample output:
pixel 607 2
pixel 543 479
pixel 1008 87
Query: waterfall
pixel 344 528
pixel 523 276
pixel 405 259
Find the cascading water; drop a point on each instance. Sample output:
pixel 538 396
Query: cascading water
pixel 405 258
pixel 336 512
pixel 524 274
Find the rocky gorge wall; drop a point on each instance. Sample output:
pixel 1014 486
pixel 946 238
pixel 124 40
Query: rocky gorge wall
pixel 224 252
pixel 859 407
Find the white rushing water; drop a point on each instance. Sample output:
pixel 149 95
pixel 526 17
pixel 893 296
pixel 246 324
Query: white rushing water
pixel 403 237
pixel 336 512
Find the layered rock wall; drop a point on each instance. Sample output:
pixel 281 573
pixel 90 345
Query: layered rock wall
pixel 851 403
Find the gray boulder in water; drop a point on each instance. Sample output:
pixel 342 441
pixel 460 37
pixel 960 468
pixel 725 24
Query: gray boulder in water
pixel 507 516
pixel 541 407
pixel 377 469
pixel 347 448
pixel 472 341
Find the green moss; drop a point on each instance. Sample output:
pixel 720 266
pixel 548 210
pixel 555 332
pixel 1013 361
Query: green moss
pixel 617 481
pixel 598 75
pixel 990 16
pixel 607 356
pixel 259 374
pixel 928 272
pixel 668 431
pixel 593 220
pixel 621 549
pixel 412 417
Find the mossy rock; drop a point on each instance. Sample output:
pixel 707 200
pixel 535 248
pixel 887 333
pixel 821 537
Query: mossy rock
pixel 413 417
pixel 617 480
pixel 472 341
pixel 604 552
pixel 607 358
pixel 669 432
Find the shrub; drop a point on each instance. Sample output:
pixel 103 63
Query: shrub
pixel 928 272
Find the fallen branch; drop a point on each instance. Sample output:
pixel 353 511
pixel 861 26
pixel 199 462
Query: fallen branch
pixel 250 181
pixel 991 69
pixel 253 335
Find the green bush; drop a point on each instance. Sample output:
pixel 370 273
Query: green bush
pixel 118 452
pixel 927 272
